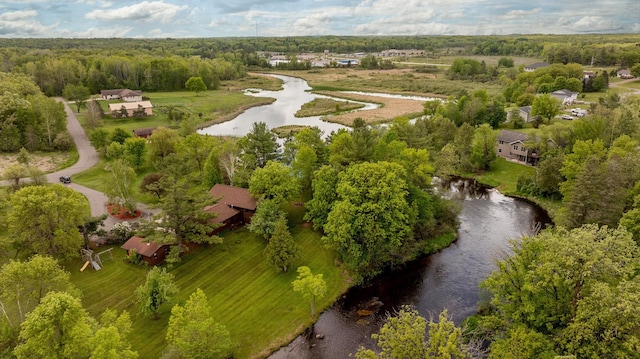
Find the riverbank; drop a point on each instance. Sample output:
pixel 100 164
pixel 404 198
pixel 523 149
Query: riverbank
pixel 389 109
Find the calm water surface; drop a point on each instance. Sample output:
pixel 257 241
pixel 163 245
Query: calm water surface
pixel 281 112
pixel 448 279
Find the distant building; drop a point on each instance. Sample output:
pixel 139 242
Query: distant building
pixel 132 109
pixel 624 74
pixel 143 132
pixel 122 94
pixel 565 96
pixel 537 65
pixel 524 112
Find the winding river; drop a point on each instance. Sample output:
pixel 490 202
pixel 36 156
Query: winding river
pixel 289 100
pixel 448 279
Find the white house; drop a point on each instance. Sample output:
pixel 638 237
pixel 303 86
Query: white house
pixel 565 96
pixel 533 67
pixel 624 74
pixel 124 94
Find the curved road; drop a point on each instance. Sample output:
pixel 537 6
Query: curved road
pixel 87 158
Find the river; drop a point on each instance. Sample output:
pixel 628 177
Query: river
pixel 448 279
pixel 289 100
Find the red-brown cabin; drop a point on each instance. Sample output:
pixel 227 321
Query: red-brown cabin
pixel 150 252
pixel 235 198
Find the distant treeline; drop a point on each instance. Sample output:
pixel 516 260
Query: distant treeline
pixel 166 64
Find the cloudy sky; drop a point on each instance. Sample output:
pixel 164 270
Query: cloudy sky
pixel 222 18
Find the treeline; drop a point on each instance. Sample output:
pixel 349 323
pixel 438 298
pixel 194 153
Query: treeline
pixel 30 119
pixel 53 71
pixel 597 50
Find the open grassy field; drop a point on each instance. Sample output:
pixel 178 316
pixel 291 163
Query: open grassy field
pixel 326 106
pixel 402 81
pixel 210 107
pixel 254 302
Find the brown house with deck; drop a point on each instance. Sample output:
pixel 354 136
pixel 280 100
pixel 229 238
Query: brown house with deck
pixel 235 206
pixel 150 252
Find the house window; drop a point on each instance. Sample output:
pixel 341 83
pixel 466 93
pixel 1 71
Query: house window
pixel 501 142
pixel 499 149
pixel 515 147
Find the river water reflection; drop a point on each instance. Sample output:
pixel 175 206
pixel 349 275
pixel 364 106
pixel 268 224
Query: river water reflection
pixel 279 113
pixel 289 100
pixel 448 279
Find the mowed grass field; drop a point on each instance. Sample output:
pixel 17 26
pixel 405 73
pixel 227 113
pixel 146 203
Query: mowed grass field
pixel 212 106
pixel 254 301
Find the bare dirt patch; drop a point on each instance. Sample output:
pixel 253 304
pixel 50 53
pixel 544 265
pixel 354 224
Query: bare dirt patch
pixel 390 109
pixel 46 162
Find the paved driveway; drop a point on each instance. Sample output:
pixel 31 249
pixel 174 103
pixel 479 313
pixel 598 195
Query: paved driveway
pixel 88 157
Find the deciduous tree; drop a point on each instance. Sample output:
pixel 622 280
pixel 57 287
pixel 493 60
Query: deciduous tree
pixel 110 340
pixel 264 221
pixel 370 218
pixel 158 288
pixel 483 147
pixel 193 333
pixel 121 179
pixel 59 327
pixel 23 284
pixel 79 94
pixel 196 85
pixel 45 220
pixel 310 285
pixel 274 181
pixel 545 106
pixel 135 150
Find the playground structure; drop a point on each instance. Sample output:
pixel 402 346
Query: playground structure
pixel 93 258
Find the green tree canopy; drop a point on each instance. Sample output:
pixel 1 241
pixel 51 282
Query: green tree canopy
pixel 59 327
pixel 545 106
pixel 79 94
pixel 569 286
pixel 23 284
pixel 195 84
pixel 403 337
pixel 193 333
pixel 370 218
pixel 274 181
pixel 310 285
pixel 282 250
pixel 158 288
pixel 264 221
pixel 45 220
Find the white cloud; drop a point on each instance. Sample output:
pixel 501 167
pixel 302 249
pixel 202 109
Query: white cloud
pixel 594 23
pixel 635 27
pixel 18 15
pixel 519 14
pixel 145 12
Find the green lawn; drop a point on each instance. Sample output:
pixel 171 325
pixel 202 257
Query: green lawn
pixel 504 175
pixel 94 178
pixel 254 302
pixel 209 107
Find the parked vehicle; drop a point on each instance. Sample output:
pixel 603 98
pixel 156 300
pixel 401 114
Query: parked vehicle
pixel 567 117
pixel 65 179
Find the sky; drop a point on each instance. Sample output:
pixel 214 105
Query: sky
pixel 249 18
